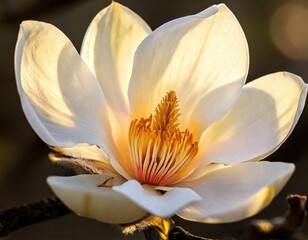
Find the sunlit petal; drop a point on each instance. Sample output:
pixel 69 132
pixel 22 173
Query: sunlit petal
pixel 60 96
pixel 236 192
pixel 109 47
pixel 148 198
pixel 203 58
pixel 87 196
pixel 201 171
pixel 259 123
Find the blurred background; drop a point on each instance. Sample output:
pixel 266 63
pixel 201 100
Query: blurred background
pixel 277 34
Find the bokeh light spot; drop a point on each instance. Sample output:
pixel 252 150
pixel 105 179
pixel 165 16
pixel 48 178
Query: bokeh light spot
pixel 289 30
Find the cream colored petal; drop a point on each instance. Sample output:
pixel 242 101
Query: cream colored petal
pixel 109 47
pixel 236 192
pixel 203 58
pixel 83 196
pixel 154 202
pixel 259 123
pixel 60 96
pixel 201 171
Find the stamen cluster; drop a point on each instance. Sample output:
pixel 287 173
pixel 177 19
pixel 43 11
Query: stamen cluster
pixel 159 151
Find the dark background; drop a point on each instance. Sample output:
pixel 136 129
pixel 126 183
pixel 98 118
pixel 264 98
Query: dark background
pixel 277 34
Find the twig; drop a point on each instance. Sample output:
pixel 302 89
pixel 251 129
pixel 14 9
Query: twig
pixel 279 227
pixel 22 216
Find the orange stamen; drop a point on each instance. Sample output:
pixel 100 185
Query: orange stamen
pixel 159 151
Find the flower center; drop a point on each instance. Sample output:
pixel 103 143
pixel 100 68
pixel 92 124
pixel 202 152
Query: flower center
pixel 159 151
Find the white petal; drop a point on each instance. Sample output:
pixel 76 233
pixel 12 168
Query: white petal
pixel 203 58
pixel 82 195
pixel 60 96
pixel 148 198
pixel 259 123
pixel 236 192
pixel 201 171
pixel 109 47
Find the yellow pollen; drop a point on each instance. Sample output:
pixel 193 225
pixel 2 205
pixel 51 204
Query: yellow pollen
pixel 159 151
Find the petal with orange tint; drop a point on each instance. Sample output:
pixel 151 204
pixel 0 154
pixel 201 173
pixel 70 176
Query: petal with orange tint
pixel 203 58
pixel 108 48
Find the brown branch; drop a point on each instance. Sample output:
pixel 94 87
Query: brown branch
pixel 279 227
pixel 22 216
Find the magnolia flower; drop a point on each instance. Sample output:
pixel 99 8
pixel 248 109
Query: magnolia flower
pixel 161 121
